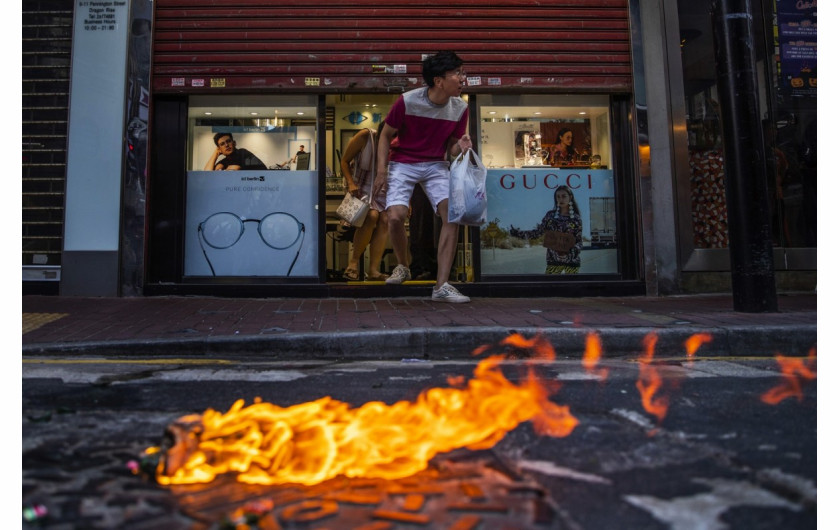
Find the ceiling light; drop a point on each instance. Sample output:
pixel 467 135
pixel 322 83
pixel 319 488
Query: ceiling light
pixel 582 112
pixel 300 114
pixel 208 113
pixel 254 113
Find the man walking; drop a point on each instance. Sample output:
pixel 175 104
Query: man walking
pixel 429 123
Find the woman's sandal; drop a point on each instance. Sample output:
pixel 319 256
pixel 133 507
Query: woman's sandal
pixel 376 277
pixel 351 274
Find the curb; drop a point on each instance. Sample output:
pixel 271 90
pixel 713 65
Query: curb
pixel 447 343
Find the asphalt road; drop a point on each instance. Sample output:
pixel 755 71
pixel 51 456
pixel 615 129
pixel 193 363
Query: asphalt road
pixel 720 458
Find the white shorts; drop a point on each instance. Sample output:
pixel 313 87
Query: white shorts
pixel 432 176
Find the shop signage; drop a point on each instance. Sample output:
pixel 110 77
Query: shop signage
pixel 101 15
pixel 797 45
pixel 95 141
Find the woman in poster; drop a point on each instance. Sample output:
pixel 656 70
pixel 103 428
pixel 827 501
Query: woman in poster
pixel 563 152
pixel 562 232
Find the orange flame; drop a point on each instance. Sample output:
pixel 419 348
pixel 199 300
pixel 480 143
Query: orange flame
pixel 315 441
pixel 794 372
pixel 650 381
pixel 540 347
pixel 591 356
pixel 693 343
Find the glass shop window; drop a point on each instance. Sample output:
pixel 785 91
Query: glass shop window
pixel 252 187
pixel 550 185
pixel 785 34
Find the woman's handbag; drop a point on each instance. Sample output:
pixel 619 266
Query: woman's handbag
pixel 560 242
pixel 467 190
pixel 354 210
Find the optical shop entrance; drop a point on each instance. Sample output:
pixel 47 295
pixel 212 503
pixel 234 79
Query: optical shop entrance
pixel 363 254
pixel 254 214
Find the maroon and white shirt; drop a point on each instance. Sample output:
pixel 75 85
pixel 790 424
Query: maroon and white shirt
pixel 424 128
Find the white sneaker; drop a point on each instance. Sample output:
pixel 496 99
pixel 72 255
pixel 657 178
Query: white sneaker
pixel 400 274
pixel 447 293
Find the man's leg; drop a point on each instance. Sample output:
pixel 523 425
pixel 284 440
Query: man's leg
pixel 447 244
pixel 401 180
pixel 421 229
pixel 396 228
pixel 437 189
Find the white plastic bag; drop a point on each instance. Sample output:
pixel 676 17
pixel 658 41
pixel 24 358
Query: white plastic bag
pixel 467 190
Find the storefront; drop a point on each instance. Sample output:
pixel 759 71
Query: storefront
pixel 785 46
pixel 623 88
pixel 271 228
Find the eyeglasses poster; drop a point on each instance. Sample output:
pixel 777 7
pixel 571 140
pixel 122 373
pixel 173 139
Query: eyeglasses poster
pixel 250 223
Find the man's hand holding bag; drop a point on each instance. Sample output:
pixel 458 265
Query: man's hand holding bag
pixel 467 190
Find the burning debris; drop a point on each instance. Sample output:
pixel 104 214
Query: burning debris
pixel 319 440
pixel 324 460
pixel 462 490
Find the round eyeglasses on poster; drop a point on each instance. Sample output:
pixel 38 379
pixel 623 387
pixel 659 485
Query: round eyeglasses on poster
pixel 278 230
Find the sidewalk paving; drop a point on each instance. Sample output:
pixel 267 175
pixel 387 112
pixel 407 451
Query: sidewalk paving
pixel 387 328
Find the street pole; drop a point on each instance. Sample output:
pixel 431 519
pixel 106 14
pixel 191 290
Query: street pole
pixel 747 204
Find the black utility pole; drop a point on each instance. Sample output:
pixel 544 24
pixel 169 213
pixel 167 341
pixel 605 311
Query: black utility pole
pixel 747 204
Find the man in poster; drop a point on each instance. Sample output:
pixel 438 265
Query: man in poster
pixel 233 157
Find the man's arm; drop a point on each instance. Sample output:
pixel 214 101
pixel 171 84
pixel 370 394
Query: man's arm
pixel 383 153
pixel 211 164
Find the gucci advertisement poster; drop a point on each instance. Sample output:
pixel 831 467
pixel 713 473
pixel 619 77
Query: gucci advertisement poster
pixel 549 221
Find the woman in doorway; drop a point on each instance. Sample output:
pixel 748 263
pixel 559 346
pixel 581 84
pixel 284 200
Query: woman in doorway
pixel 358 165
pixel 562 232
pixel 563 152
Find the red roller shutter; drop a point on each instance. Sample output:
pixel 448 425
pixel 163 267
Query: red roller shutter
pixel 371 45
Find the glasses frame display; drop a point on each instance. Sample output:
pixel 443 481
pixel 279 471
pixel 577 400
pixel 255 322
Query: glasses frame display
pixel 203 238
